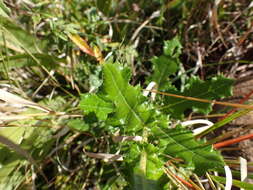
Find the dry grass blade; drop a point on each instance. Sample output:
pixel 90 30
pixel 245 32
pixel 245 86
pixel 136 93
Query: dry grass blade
pixel 243 169
pixel 126 138
pixel 19 150
pixel 17 102
pixel 137 31
pixel 211 182
pixel 12 117
pixel 104 156
pixel 82 44
pixel 174 180
pixel 229 178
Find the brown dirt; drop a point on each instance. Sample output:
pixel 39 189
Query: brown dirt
pixel 242 87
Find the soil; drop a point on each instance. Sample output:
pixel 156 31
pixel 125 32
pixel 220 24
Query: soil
pixel 242 87
pixel 244 124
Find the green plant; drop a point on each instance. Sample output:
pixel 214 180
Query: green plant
pixel 147 141
pixel 122 139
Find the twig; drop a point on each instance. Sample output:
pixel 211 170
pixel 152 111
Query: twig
pixel 137 31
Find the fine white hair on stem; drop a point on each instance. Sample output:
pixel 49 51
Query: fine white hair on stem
pixel 229 178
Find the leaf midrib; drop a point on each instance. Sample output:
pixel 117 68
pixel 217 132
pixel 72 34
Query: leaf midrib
pixel 184 147
pixel 123 97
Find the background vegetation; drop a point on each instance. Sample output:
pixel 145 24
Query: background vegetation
pixel 101 94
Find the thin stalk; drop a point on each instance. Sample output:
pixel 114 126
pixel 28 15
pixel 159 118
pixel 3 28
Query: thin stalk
pixel 223 122
pixel 233 141
pixel 246 97
pixel 203 100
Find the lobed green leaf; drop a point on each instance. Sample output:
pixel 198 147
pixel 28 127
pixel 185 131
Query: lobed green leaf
pixel 180 142
pixel 217 87
pixel 93 103
pixel 146 167
pixel 163 67
pixel 124 100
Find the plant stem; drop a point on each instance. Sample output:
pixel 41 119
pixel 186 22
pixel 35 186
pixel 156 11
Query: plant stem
pixel 233 141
